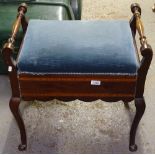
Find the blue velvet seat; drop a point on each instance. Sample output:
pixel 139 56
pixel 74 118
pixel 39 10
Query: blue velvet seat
pixel 78 47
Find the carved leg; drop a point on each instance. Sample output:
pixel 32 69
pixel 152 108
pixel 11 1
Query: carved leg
pixel 14 106
pixel 140 108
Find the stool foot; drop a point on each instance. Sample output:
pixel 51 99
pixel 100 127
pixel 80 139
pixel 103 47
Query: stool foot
pixel 22 147
pixel 133 148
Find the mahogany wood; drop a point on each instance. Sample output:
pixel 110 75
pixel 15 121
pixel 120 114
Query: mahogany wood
pixel 140 109
pixel 75 86
pixel 14 107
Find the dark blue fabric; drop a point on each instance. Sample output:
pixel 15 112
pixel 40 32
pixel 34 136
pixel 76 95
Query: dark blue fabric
pixel 78 47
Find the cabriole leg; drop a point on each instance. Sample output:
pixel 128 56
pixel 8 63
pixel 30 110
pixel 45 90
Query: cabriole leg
pixel 14 106
pixel 140 108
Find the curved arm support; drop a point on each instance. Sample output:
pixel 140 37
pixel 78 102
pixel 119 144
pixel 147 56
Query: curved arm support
pixel 22 9
pixel 146 50
pixel 8 47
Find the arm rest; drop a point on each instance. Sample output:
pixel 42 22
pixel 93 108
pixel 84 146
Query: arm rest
pixel 9 46
pixel 146 50
pixel 8 49
pixel 136 10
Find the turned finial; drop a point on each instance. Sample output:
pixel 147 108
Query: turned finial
pixel 23 7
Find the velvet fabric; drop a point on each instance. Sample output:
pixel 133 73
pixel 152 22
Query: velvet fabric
pixel 78 47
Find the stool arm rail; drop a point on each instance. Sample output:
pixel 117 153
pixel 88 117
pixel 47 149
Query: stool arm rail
pixel 9 46
pixel 145 49
pixel 139 25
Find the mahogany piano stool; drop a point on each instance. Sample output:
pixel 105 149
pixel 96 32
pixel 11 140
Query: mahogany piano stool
pixel 84 60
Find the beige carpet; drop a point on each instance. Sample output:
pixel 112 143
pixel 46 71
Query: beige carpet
pixel 97 127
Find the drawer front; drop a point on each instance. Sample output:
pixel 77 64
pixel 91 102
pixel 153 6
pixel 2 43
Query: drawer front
pixel 76 87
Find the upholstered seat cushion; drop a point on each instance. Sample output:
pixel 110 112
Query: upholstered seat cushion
pixel 78 47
